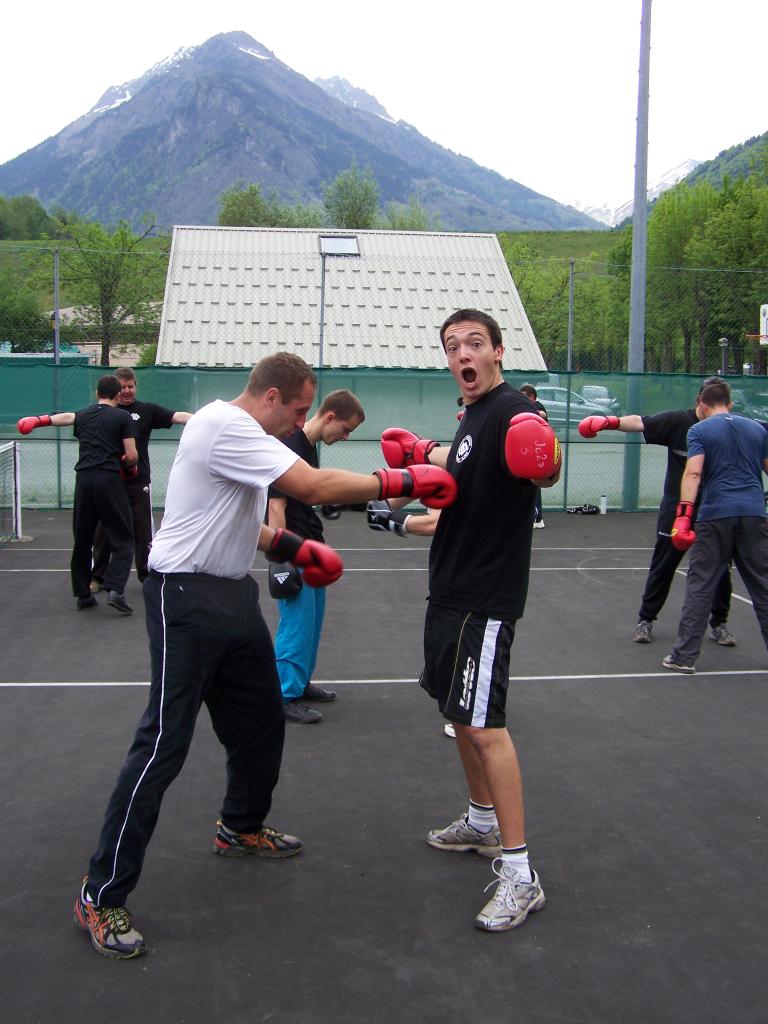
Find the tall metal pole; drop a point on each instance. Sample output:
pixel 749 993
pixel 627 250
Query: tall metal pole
pixel 571 275
pixel 636 354
pixel 57 367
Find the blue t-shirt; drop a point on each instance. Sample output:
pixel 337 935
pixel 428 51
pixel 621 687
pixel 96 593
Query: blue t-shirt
pixel 732 479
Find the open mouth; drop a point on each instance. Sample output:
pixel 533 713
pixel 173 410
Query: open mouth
pixel 468 375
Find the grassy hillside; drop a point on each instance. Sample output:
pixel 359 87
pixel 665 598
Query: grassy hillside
pixel 565 245
pixel 736 162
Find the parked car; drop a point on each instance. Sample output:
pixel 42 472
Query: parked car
pixel 596 394
pixel 756 408
pixel 555 401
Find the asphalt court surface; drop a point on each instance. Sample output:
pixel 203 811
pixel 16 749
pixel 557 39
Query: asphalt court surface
pixel 645 800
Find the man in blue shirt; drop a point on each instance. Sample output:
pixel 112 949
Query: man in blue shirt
pixel 727 456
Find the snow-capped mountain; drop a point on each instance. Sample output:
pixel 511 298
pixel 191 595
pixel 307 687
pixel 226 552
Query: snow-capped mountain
pixel 613 213
pixel 343 90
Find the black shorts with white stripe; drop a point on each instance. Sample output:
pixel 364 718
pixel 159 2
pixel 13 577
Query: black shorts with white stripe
pixel 466 665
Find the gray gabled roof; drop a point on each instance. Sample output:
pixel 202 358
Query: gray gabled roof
pixel 234 295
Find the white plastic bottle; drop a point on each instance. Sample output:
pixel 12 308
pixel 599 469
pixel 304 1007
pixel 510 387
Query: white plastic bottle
pixel 603 504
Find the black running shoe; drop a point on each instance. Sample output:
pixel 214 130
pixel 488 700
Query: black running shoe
pixel 312 692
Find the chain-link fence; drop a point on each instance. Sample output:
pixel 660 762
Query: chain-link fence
pixel 617 465
pixel 697 319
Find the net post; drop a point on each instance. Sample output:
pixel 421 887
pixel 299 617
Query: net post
pixel 17 531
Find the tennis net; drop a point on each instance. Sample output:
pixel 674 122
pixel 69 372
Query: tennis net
pixel 10 493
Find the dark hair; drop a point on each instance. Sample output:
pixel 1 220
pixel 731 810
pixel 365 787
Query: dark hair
pixel 108 386
pixel 715 394
pixel 477 317
pixel 709 380
pixel 283 370
pixel 530 391
pixel 125 373
pixel 344 404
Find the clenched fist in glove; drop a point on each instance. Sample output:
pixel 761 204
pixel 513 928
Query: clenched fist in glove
pixel 128 470
pixel 592 425
pixel 682 535
pixel 433 485
pixel 29 423
pixel 531 448
pixel 382 517
pixel 402 448
pixel 321 564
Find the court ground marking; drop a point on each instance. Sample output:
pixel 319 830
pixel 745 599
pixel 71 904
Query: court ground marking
pixel 677 676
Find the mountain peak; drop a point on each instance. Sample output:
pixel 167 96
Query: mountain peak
pixel 349 94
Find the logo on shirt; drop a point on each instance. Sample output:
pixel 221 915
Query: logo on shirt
pixel 468 683
pixel 465 447
pixel 135 416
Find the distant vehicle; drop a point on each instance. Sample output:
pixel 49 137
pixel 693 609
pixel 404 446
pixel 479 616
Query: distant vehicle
pixel 598 395
pixel 555 401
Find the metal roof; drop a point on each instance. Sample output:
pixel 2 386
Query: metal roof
pixel 235 295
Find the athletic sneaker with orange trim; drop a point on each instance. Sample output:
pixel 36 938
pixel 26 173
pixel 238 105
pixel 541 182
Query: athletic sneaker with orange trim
pixel 267 842
pixel 110 928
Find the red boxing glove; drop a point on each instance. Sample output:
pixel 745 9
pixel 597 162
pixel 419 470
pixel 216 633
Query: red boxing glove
pixel 321 564
pixel 402 448
pixel 433 485
pixel 128 472
pixel 592 425
pixel 28 423
pixel 682 535
pixel 531 448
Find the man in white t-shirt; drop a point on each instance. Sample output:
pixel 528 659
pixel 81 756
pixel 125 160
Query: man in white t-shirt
pixel 208 640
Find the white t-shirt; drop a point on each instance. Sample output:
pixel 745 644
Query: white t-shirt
pixel 217 493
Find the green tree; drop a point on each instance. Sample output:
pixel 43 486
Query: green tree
pixel 245 206
pixel 21 321
pixel 413 217
pixel 115 279
pixel 22 217
pixel 352 200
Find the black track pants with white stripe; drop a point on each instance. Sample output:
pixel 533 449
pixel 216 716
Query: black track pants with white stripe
pixel 208 644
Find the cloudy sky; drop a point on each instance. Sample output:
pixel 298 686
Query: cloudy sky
pixel 544 92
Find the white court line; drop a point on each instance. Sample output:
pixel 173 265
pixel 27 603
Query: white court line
pixel 677 676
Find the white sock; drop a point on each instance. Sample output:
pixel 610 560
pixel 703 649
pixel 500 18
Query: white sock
pixel 481 817
pixel 516 860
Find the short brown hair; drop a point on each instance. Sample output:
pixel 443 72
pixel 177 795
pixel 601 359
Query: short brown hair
pixel 108 386
pixel 529 390
pixel 715 394
pixel 344 404
pixel 474 316
pixel 125 373
pixel 283 370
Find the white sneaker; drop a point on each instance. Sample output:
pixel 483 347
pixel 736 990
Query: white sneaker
pixel 538 524
pixel 512 902
pixel 449 730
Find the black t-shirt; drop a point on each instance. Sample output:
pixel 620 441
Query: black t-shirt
pixel 300 518
pixel 147 417
pixel 100 429
pixel 670 429
pixel 481 552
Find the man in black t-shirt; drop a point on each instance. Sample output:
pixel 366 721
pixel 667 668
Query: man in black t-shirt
pixel 303 609
pixel 669 429
pixel 478 582
pixel 147 417
pixel 107 439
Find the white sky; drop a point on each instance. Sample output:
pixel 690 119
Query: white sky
pixel 544 91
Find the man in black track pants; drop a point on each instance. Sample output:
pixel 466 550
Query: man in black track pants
pixel 208 640
pixel 107 439
pixel 669 429
pixel 147 416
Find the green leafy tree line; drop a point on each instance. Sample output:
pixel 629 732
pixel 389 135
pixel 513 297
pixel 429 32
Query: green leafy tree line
pixel 707 275
pixel 351 202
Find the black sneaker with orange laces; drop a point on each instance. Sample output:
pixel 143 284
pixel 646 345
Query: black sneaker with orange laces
pixel 110 928
pixel 267 842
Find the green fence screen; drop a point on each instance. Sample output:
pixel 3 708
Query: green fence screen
pixel 617 465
